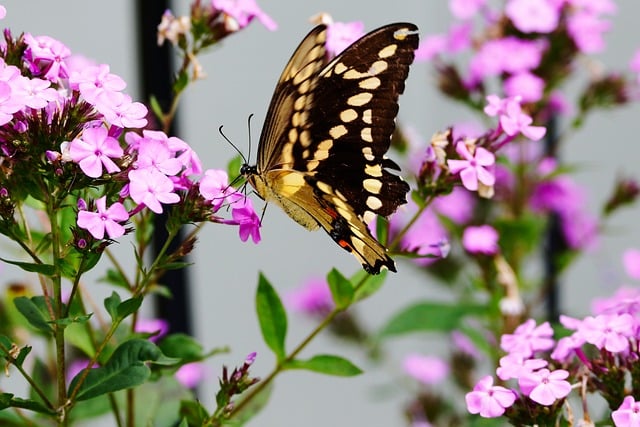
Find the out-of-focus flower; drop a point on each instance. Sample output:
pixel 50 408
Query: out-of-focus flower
pixel 533 16
pixel 528 338
pixel 465 9
pixel 631 262
pixel 312 298
pixel 481 239
pixel 627 414
pixel 191 374
pixel 172 28
pixel 341 34
pixel 242 12
pixel 428 370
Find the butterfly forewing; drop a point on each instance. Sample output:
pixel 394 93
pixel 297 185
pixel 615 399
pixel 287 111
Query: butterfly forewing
pixel 328 127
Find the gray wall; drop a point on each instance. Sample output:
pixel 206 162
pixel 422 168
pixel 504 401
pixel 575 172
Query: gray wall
pixel 241 77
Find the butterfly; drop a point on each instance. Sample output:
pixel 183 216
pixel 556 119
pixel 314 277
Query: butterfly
pixel 321 155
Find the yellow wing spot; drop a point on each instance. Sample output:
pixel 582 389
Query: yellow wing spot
pixel 320 154
pixel 370 83
pixel 324 187
pixel 372 185
pixel 340 68
pixel 287 154
pixel 365 134
pixel 373 170
pixel 290 183
pixel 368 217
pixel 312 165
pixel 348 115
pixel 300 102
pixel 295 119
pixel 293 135
pixel 360 99
pixel 358 244
pixel 368 154
pixel 378 67
pixel 374 203
pixel 388 51
pixel 304 86
pixel 339 194
pixel 338 131
pixel 306 153
pixel 401 34
pixel 325 145
pixel 345 213
pixel 317 52
pixel 367 116
pixel 305 138
pixel 303 74
pixel 354 74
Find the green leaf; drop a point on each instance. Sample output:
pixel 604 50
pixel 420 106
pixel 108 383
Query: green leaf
pixel 181 346
pixel 125 369
pixel 30 310
pixel 114 277
pixel 272 317
pixel 155 107
pixel 430 316
pixel 5 345
pixel 193 412
pixel 111 304
pixel 46 269
pixel 128 307
pixel 233 168
pixel 7 401
pixel 24 351
pixel 366 284
pixel 327 364
pixel 341 289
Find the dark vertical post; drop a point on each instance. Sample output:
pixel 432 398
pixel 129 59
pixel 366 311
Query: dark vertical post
pixel 554 243
pixel 156 74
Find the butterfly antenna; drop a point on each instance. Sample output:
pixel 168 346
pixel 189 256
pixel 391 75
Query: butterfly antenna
pixel 249 132
pixel 244 159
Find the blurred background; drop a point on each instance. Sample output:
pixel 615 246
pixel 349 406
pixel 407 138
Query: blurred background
pixel 241 75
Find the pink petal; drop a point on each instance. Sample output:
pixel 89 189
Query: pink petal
pixel 469 179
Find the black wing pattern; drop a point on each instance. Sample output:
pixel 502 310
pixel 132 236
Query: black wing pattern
pixel 322 150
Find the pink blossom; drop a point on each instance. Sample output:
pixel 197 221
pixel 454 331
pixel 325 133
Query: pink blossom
pixel 93 80
pixel 474 168
pixel 243 12
pixel 509 54
pixel 628 414
pixel 566 347
pixel 33 93
pixel 465 9
pixel 526 85
pixel 609 331
pixel 214 186
pixel 424 236
pixel 488 400
pixel 431 46
pixel 586 29
pixel 155 154
pixel 94 150
pixel 119 110
pixel 481 239
pixel 245 216
pixel 191 374
pixel 528 338
pixel 624 300
pixel 634 64
pixel 45 57
pixel 151 188
pixel 459 38
pixel 104 219
pixel 158 327
pixel 426 369
pixel 312 298
pixel 514 365
pixel 341 34
pixel 3 12
pixel 464 344
pixel 544 386
pixel 533 16
pixel 512 119
pixel 9 103
pixel 456 206
pixel 631 262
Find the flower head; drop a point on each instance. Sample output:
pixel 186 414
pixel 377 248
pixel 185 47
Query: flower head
pixel 426 369
pixel 480 239
pixel 151 188
pixel 475 168
pixel 628 414
pixel 528 338
pixel 488 400
pixel 312 298
pixel 544 386
pixel 104 220
pixel 242 12
pixel 533 16
pixel 94 150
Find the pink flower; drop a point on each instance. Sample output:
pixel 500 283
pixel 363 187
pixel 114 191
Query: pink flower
pixel 488 400
pixel 151 188
pixel 33 93
pixel 118 109
pixel 586 30
pixel 631 261
pixel 474 168
pixel 104 219
pixel 628 414
pixel 214 186
pixel 155 154
pixel 243 12
pixel 512 119
pixel 190 374
pixel 510 54
pixel 456 206
pixel 526 85
pixel 528 338
pixel 431 46
pixel 634 65
pixel 158 327
pixel 428 370
pixel 94 150
pixel 3 12
pixel 45 57
pixel 624 300
pixel 312 298
pixel 480 240
pixel 93 80
pixel 465 9
pixel 545 387
pixel 514 365
pixel 424 236
pixel 341 34
pixel 533 16
pixel 245 216
pixel 609 331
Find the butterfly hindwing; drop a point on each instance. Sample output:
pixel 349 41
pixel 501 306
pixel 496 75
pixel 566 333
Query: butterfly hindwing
pixel 322 150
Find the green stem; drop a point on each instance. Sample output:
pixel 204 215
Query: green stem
pixel 33 384
pixel 398 237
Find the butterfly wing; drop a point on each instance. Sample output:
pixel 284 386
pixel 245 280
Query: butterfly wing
pixel 322 150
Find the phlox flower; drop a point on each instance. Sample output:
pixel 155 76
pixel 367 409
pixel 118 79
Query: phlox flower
pixel 45 57
pixel 431 46
pixel 509 54
pixel 544 386
pixel 151 188
pixel 514 365
pixel 512 119
pixel 191 374
pixel 155 154
pixel 456 206
pixel 94 150
pixel 624 300
pixel 474 168
pixel 528 338
pixel 528 86
pixel 341 34
pixel 93 80
pixel 3 12
pixel 465 9
pixel 243 12
pixel 628 414
pixel 312 298
pixel 533 16
pixel 104 220
pixel 157 326
pixel 119 110
pixel 481 239
pixel 245 216
pixel 424 236
pixel 9 103
pixel 609 331
pixel 631 262
pixel 488 400
pixel 426 369
pixel 587 29
pixel 33 93
pixel 172 28
pixel 214 186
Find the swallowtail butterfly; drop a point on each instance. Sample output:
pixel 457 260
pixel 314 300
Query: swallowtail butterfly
pixel 321 154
